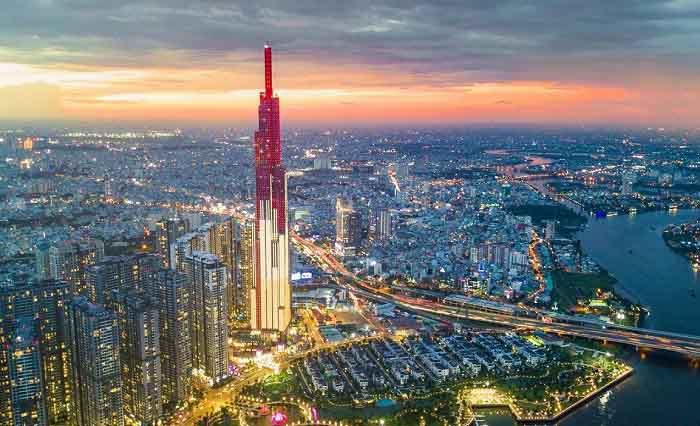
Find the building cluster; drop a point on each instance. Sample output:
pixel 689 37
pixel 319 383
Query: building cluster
pixel 380 366
pixel 92 339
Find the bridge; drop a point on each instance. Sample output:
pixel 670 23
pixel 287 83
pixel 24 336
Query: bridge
pixel 511 315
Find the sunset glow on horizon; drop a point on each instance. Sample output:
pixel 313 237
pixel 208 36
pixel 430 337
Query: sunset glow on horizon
pixel 388 70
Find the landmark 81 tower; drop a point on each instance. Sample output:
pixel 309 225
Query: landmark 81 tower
pixel 271 296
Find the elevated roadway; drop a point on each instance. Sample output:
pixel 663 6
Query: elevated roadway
pixel 549 322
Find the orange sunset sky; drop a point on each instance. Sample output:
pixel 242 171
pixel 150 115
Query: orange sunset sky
pixel 355 62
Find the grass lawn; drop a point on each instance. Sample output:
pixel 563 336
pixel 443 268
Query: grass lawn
pixel 569 285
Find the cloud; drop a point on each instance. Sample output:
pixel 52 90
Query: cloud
pixel 176 51
pixel 30 101
pixel 495 39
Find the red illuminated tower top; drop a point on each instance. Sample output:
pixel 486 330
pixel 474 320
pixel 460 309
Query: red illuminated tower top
pixel 269 171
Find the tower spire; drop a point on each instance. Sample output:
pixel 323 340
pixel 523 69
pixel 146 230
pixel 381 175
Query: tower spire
pixel 268 70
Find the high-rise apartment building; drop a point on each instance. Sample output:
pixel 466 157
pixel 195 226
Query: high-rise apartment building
pixel 208 278
pixel 172 292
pixel 41 260
pixel 139 348
pixel 245 276
pixel 43 305
pixel 26 390
pixel 68 261
pixel 94 333
pixel 219 239
pixel 199 240
pixel 168 230
pixel 226 236
pixel 271 296
pixel 119 273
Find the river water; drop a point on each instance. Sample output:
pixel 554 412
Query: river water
pixel 664 391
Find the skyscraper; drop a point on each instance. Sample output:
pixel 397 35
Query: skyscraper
pixel 94 334
pixel 271 297
pixel 207 276
pixel 139 342
pixel 172 292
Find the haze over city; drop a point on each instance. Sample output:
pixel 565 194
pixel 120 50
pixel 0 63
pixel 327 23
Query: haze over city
pixel 353 63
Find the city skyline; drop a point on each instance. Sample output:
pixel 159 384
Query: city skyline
pixel 449 213
pixel 364 63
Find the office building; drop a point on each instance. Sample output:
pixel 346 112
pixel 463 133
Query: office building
pixel 107 189
pixel 348 228
pixel 41 260
pixel 322 163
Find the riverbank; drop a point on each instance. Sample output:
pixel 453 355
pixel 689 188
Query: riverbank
pixel 520 418
pixel 631 248
pixel 684 239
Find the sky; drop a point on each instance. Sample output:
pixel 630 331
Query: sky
pixel 352 62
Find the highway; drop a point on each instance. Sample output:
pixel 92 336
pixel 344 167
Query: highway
pixel 537 320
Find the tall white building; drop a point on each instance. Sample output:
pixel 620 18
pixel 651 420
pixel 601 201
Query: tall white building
pixel 271 295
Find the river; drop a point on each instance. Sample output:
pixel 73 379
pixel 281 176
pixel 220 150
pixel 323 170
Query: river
pixel 663 391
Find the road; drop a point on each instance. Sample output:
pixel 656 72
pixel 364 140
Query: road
pixel 217 398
